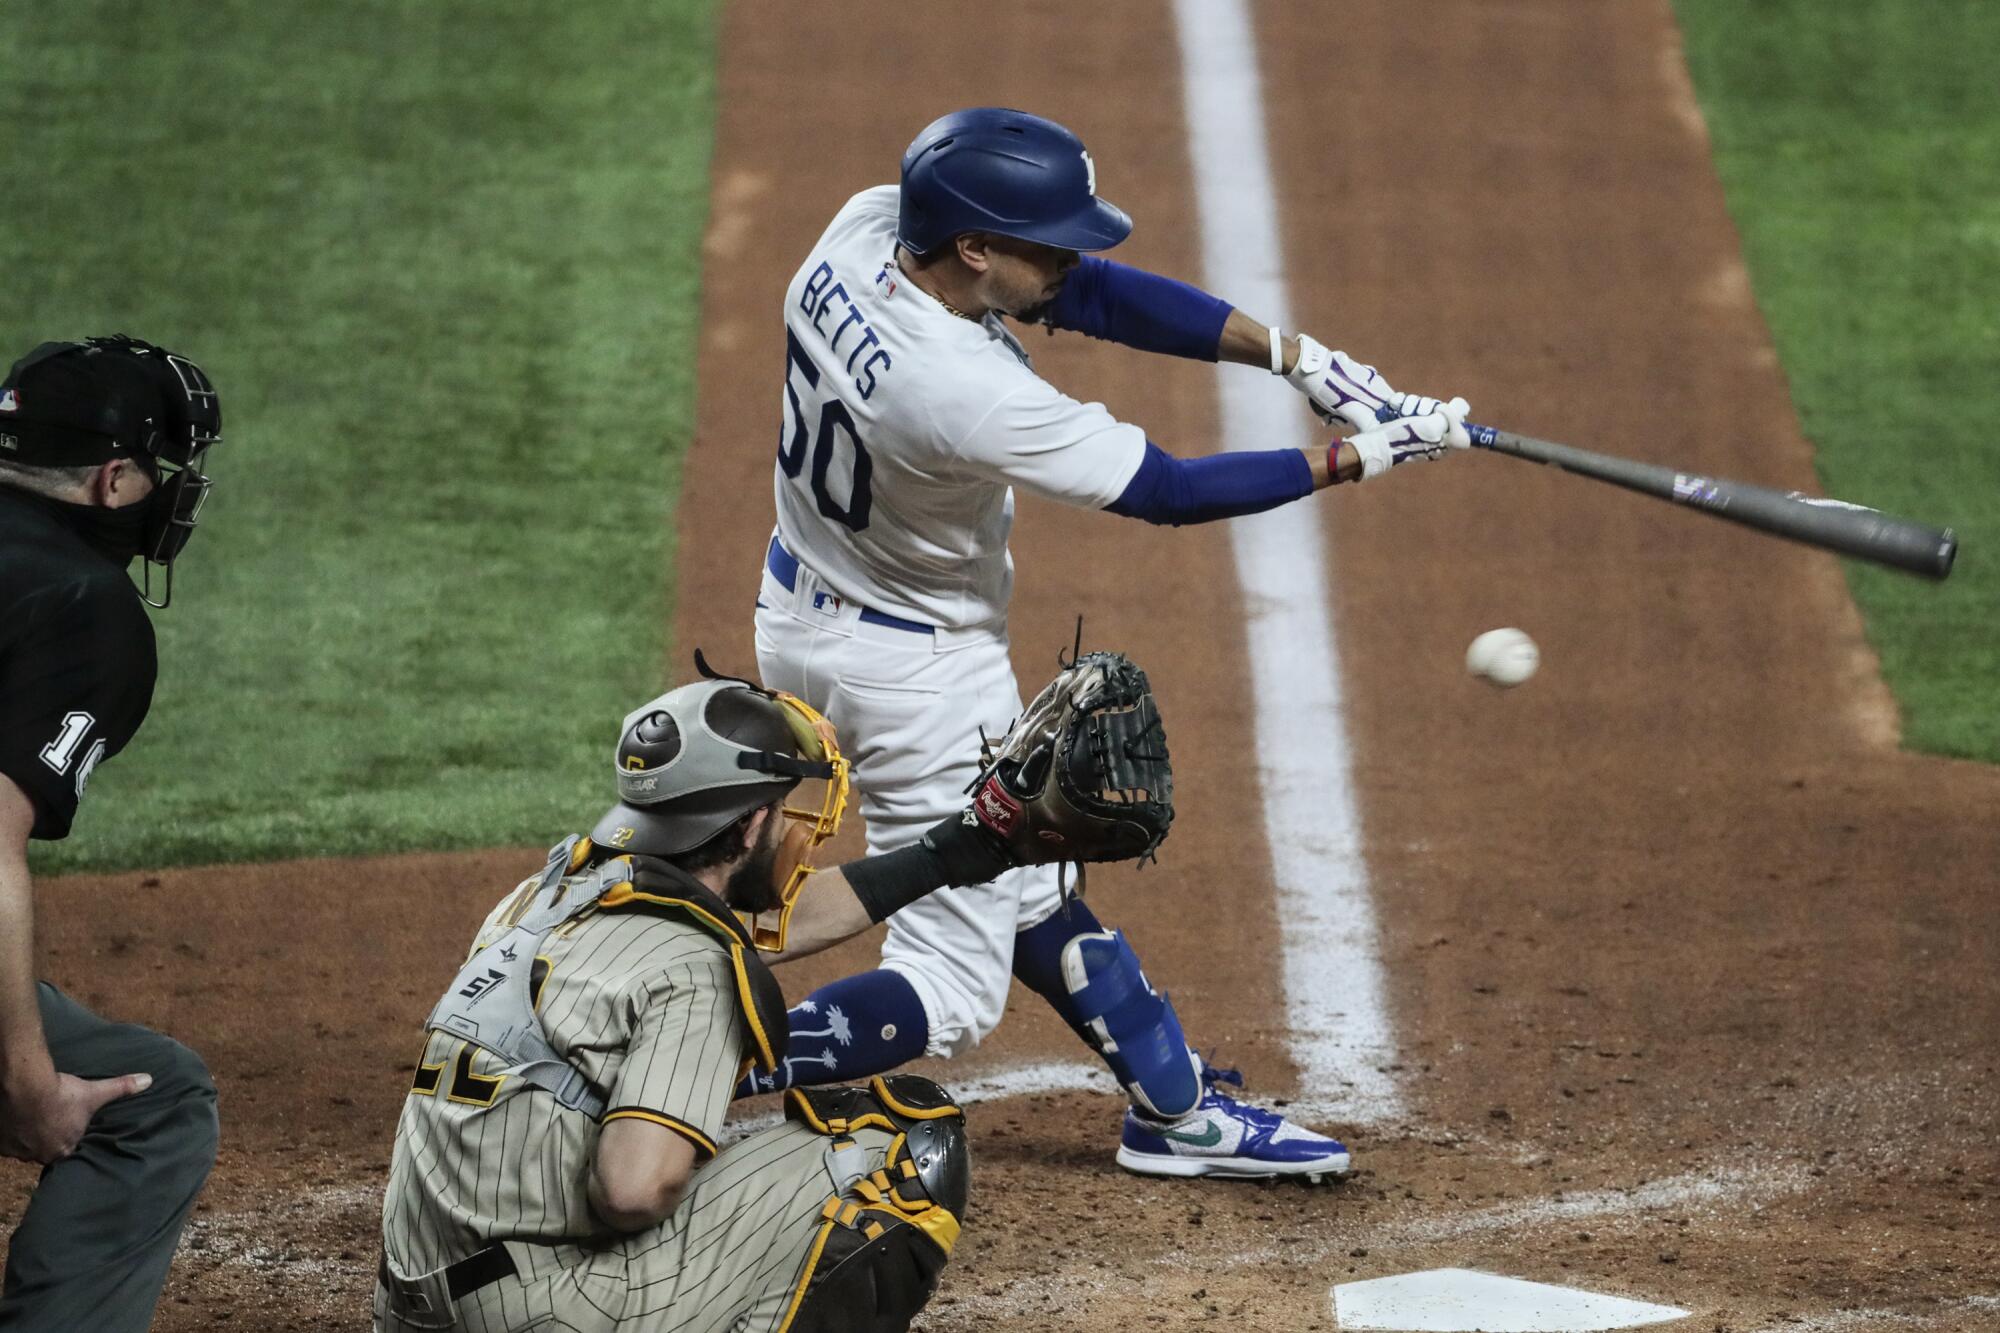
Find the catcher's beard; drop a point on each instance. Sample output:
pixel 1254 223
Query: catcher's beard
pixel 753 886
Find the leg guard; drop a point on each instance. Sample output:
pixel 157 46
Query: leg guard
pixel 1133 1027
pixel 885 1235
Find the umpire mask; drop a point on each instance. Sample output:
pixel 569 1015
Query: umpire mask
pixel 78 404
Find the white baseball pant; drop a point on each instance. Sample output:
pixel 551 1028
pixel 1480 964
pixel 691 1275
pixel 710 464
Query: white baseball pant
pixel 908 707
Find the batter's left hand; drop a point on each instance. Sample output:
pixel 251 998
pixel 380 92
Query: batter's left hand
pixel 1342 389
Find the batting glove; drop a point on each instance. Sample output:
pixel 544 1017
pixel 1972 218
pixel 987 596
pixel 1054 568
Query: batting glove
pixel 1416 439
pixel 1342 389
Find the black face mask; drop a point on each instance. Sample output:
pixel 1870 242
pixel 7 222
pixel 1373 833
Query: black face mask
pixel 118 534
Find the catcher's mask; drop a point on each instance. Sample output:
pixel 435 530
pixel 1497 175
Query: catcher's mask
pixel 697 759
pixel 76 404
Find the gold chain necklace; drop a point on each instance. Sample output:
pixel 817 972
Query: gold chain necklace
pixel 949 308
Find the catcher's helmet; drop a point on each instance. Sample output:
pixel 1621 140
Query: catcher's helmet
pixel 697 759
pixel 78 404
pixel 694 761
pixel 1007 172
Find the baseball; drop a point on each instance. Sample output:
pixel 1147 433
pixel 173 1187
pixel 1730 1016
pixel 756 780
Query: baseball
pixel 1503 657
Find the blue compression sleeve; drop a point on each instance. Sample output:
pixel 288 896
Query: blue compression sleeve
pixel 1175 491
pixel 845 1031
pixel 1139 309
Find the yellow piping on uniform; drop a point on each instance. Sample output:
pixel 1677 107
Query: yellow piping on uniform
pixel 767 1056
pixel 702 1142
pixel 805 1277
pixel 622 894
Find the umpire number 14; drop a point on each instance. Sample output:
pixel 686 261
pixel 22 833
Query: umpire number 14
pixel 834 419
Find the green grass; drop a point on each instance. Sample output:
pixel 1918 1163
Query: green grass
pixel 1859 144
pixel 440 258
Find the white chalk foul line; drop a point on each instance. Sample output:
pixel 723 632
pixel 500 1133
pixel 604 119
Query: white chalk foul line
pixel 1335 996
pixel 1730 1187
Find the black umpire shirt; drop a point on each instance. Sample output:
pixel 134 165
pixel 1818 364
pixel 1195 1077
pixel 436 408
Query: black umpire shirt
pixel 77 661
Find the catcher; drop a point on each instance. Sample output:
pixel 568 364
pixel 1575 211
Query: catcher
pixel 557 1164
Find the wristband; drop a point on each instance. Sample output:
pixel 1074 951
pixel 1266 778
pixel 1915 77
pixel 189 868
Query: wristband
pixel 1277 351
pixel 969 851
pixel 955 852
pixel 888 883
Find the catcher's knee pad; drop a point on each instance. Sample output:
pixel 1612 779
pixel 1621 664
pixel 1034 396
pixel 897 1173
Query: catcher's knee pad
pixel 884 1235
pixel 1137 1031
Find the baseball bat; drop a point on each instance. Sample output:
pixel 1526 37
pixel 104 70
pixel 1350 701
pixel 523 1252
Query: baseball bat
pixel 1831 525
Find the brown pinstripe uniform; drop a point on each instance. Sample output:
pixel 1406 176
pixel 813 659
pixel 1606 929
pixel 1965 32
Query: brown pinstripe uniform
pixel 649 1008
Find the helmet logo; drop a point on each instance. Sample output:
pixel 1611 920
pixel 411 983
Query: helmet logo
pixel 10 401
pixel 1089 172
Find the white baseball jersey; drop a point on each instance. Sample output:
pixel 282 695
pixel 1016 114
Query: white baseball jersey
pixel 905 428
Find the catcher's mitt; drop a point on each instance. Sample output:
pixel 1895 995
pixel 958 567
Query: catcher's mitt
pixel 1084 774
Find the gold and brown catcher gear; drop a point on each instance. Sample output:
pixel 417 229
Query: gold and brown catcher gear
pixel 698 758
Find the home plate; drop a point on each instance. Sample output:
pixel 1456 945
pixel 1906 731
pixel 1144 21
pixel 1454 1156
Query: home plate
pixel 1459 1300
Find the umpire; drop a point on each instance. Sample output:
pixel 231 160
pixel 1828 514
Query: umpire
pixel 101 451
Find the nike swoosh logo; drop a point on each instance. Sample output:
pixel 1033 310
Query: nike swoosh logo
pixel 1208 1138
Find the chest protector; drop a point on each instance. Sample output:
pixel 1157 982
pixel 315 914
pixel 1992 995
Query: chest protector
pixel 492 1001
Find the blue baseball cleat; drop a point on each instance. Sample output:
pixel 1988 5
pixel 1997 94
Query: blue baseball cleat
pixel 1230 1139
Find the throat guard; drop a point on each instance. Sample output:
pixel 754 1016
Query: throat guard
pixel 492 1003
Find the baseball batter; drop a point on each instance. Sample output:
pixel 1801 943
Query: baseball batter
pixel 910 416
pixel 556 1162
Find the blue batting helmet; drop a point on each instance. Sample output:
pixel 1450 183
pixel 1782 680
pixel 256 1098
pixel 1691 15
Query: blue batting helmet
pixel 1007 172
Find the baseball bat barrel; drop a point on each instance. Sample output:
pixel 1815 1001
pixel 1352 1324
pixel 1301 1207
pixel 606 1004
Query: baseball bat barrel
pixel 1831 525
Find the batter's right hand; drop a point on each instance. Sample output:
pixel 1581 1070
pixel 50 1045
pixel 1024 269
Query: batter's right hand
pixel 1406 440
pixel 44 1122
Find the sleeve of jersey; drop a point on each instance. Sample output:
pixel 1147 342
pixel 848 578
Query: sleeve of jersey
pixel 1120 304
pixel 686 1054
pixel 1051 445
pixel 75 686
pixel 1177 491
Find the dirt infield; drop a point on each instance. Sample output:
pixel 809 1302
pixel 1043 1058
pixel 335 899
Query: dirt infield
pixel 1696 978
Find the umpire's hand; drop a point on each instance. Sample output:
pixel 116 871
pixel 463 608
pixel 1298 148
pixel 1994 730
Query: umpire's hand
pixel 44 1122
pixel 43 1114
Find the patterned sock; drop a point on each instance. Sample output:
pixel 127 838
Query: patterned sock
pixel 845 1031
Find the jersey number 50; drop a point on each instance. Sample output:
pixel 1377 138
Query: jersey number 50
pixel 834 418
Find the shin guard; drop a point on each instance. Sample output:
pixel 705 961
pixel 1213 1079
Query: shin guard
pixel 1134 1027
pixel 885 1235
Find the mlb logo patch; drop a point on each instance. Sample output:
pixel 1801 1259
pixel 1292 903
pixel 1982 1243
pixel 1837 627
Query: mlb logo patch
pixel 826 603
pixel 10 400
